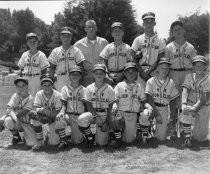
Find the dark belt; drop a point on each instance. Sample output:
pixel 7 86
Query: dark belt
pixel 129 112
pixel 100 110
pixel 160 105
pixel 120 71
pixel 73 113
pixel 31 75
pixel 181 69
pixel 61 74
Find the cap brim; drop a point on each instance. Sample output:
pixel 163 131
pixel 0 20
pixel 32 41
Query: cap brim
pixel 130 67
pixel 149 17
pixel 199 61
pixel 161 62
pixel 66 32
pixel 47 79
pixel 95 69
pixel 20 79
pixel 75 71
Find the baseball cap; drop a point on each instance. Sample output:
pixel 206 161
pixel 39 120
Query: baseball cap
pixel 130 65
pixel 117 24
pixel 199 58
pixel 164 60
pixel 75 69
pixel 65 30
pixel 20 79
pixel 100 67
pixel 148 15
pixel 46 77
pixel 29 35
pixel 176 23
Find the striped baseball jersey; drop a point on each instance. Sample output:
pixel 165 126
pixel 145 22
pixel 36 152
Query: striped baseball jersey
pixel 54 103
pixel 117 56
pixel 65 59
pixel 129 96
pixel 17 103
pixel 99 97
pixel 150 48
pixel 91 50
pixel 33 64
pixel 73 97
pixel 180 56
pixel 196 87
pixel 162 93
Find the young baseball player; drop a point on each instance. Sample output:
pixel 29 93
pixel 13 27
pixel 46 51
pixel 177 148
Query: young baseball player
pixel 63 58
pixel 195 85
pixel 16 118
pixel 161 93
pixel 91 46
pixel 130 101
pixel 180 53
pixel 48 104
pixel 33 63
pixel 116 54
pixel 99 98
pixel 72 106
pixel 151 46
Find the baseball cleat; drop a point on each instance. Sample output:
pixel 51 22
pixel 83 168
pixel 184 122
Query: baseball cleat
pixel 16 139
pixel 187 143
pixel 36 148
pixel 62 145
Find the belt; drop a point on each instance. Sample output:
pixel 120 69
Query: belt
pixel 129 112
pixel 181 69
pixel 160 105
pixel 31 75
pixel 120 71
pixel 61 74
pixel 73 113
pixel 100 110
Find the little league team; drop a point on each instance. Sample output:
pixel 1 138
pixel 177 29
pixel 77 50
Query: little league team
pixel 148 90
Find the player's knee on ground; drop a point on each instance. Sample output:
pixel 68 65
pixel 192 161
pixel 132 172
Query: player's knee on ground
pixel 9 123
pixel 83 119
pixel 60 124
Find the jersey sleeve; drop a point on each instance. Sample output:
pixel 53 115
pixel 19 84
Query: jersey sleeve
pixel 79 56
pixel 188 81
pixel 175 92
pixel 87 95
pixel 64 96
pixel 13 101
pixel 206 85
pixel 142 95
pixel 128 54
pixel 135 45
pixel 117 92
pixel 37 100
pixel 58 103
pixel 52 57
pixel 162 47
pixel 21 61
pixel 44 62
pixel 149 87
pixel 105 52
pixel 111 95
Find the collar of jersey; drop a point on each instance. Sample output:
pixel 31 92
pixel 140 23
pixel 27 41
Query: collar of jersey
pixel 179 46
pixel 67 49
pixel 88 40
pixel 154 36
pixel 159 83
pixel 34 55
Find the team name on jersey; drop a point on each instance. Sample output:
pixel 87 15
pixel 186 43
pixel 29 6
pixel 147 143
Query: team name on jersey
pixel 126 96
pixel 181 55
pixel 63 59
pixel 161 95
pixel 73 98
pixel 144 46
pixel 115 54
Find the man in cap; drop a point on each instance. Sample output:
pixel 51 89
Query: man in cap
pixel 116 54
pixel 195 85
pixel 91 46
pixel 99 98
pixel 72 96
pixel 63 58
pixel 33 63
pixel 150 46
pixel 17 119
pixel 47 105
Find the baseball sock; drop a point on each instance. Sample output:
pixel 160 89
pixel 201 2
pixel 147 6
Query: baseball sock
pixel 118 135
pixel 62 134
pixel 138 127
pixel 87 133
pixel 145 130
pixel 187 130
pixel 38 132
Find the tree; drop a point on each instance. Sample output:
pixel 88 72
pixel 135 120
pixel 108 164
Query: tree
pixel 104 12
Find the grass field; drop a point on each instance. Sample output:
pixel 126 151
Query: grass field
pixel 166 158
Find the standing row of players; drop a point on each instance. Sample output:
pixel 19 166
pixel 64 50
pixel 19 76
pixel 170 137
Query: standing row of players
pixel 115 56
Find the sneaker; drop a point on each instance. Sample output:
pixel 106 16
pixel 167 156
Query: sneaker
pixel 62 145
pixel 187 143
pixel 118 143
pixel 16 139
pixel 36 148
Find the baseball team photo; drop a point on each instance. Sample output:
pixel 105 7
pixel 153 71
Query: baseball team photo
pixel 104 87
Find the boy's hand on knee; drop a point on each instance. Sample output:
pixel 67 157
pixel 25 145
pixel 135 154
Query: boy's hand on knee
pixel 159 119
pixel 99 121
pixel 59 116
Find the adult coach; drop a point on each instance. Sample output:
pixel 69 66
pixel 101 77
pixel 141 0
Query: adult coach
pixel 151 46
pixel 63 58
pixel 91 46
